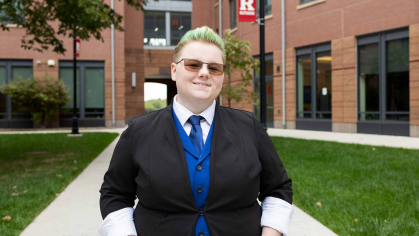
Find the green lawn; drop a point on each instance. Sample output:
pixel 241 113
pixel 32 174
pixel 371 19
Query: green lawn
pixel 362 190
pixel 30 181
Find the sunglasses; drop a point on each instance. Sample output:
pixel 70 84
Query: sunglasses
pixel 195 65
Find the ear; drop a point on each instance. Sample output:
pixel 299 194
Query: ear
pixel 173 71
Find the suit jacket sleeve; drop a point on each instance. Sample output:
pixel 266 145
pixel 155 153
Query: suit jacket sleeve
pixel 274 180
pixel 119 186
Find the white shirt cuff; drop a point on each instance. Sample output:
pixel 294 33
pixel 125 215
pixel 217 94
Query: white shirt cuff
pixel 118 223
pixel 277 214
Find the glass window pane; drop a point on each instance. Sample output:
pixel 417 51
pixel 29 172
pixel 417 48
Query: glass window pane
pixel 2 96
pixel 233 14
pixel 269 69
pixel 257 108
pixel 270 103
pixel 306 1
pixel 397 77
pixel 369 80
pixel 94 92
pixel 268 8
pixel 180 23
pixel 324 82
pixel 303 84
pixel 155 28
pixel 66 74
pixel 23 73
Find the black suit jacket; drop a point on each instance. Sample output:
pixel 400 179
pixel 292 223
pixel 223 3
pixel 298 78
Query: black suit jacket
pixel 149 162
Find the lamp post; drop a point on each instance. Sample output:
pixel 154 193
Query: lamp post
pixel 262 64
pixel 75 129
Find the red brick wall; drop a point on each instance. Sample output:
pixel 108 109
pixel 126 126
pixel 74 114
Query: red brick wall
pixel 333 21
pixel 134 62
pixel 414 74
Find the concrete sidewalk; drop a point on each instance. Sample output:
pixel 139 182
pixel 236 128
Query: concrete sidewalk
pixel 76 210
pixel 366 139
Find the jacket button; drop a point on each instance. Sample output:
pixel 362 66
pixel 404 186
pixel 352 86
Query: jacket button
pixel 199 167
pixel 201 233
pixel 201 212
pixel 199 189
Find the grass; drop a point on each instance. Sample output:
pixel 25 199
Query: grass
pixel 30 181
pixel 354 189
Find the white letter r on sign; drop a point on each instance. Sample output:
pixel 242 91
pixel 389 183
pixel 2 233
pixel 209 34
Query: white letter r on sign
pixel 246 4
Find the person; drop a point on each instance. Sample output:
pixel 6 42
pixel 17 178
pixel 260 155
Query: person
pixel 197 168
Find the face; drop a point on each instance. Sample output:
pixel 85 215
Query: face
pixel 198 86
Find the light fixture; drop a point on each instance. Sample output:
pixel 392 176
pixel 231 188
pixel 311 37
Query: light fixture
pixel 51 63
pixel 156 29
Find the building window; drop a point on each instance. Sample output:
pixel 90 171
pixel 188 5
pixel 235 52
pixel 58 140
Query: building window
pixel 269 77
pixel 9 71
pixel 233 20
pixel 165 28
pixel 90 93
pixel 268 8
pixel 155 28
pixel 5 19
pixel 306 1
pixel 180 23
pixel 383 80
pixel 314 82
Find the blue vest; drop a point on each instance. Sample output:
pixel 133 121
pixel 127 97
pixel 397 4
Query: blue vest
pixel 199 172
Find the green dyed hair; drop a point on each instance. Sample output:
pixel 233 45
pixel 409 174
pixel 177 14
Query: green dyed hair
pixel 204 34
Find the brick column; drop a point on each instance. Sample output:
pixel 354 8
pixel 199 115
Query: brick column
pixel 278 89
pixel 344 108
pixel 414 79
pixel 290 102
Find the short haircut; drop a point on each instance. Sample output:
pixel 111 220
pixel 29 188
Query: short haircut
pixel 203 34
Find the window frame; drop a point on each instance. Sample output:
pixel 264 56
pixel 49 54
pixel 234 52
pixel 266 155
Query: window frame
pixel 267 7
pixel 380 38
pixel 9 64
pixel 312 51
pixel 81 113
pixel 168 30
pixel 268 57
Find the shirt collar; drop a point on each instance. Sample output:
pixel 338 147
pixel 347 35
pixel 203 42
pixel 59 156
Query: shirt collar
pixel 184 113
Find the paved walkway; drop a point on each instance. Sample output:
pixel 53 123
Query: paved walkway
pixel 76 210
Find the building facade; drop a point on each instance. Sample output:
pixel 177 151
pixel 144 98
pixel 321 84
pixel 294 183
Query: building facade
pixel 350 66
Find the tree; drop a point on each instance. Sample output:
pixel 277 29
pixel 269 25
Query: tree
pixel 84 18
pixel 237 58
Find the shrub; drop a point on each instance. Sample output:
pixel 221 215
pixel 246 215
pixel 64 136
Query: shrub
pixel 42 99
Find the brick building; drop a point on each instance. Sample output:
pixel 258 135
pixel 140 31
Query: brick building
pixel 351 66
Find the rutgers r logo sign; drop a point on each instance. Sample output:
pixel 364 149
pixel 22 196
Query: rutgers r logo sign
pixel 247 10
pixel 246 5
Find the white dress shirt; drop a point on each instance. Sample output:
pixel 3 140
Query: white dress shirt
pixel 276 213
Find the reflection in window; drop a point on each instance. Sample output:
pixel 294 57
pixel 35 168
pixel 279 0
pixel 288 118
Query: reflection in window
pixel 2 96
pixel 24 73
pixel 66 74
pixel 304 86
pixel 324 85
pixel 397 81
pixel 155 28
pixel 94 93
pixel 269 92
pixel 268 8
pixel 369 82
pixel 180 23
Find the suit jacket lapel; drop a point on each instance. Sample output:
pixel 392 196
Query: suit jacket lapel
pixel 173 138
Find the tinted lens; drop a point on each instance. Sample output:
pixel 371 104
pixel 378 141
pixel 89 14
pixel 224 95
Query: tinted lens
pixel 215 69
pixel 192 65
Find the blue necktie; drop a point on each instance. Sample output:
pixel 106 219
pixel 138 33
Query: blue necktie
pixel 196 133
